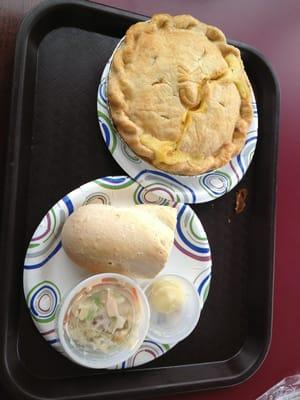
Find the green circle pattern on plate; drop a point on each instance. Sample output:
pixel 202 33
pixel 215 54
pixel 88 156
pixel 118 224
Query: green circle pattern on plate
pixel 49 273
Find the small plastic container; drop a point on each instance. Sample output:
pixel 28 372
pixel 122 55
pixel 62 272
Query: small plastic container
pixel 79 348
pixel 174 307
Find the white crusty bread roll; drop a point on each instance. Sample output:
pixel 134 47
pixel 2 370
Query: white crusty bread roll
pixel 134 241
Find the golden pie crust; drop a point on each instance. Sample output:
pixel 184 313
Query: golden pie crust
pixel 179 95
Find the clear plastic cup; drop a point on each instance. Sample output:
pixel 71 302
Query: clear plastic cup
pixel 87 355
pixel 174 308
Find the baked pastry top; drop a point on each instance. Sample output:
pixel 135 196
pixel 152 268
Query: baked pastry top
pixel 179 95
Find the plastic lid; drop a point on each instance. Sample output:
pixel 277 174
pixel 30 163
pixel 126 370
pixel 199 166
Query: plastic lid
pixel 174 308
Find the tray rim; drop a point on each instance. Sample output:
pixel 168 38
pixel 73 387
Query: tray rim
pixel 8 218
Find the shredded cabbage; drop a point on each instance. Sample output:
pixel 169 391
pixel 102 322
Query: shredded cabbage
pixel 101 318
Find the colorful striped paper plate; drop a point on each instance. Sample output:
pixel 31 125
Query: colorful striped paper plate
pixel 49 273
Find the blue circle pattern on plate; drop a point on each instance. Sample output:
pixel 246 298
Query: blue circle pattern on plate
pixel 46 265
pixel 216 183
pixel 43 300
pixel 186 189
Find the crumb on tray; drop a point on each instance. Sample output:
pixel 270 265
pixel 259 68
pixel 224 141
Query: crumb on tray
pixel 240 201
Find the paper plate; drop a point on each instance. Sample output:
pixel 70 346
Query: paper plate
pixel 186 189
pixel 49 273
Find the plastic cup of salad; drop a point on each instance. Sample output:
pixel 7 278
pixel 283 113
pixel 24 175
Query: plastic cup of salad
pixel 103 320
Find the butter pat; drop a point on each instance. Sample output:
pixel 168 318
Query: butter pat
pixel 174 308
pixel 167 295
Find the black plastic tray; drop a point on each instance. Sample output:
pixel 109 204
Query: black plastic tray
pixel 55 146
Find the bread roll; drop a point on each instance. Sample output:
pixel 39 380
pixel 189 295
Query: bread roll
pixel 134 241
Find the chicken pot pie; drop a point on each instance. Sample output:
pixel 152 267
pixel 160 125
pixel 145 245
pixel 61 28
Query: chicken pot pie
pixel 179 95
